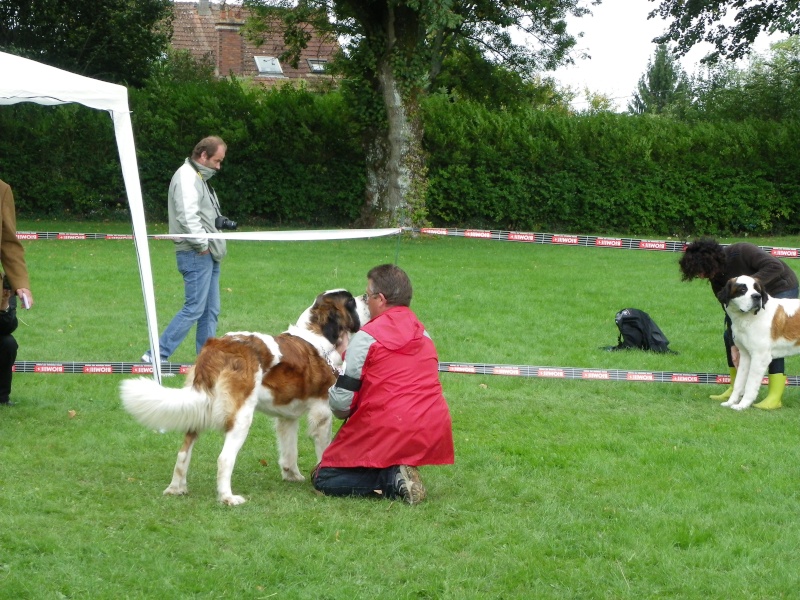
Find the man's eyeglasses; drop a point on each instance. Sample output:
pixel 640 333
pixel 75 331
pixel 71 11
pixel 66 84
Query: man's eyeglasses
pixel 373 294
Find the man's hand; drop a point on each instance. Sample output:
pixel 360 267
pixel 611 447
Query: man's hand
pixel 25 297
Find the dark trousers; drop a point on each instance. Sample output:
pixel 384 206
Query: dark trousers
pixel 356 481
pixel 777 365
pixel 8 354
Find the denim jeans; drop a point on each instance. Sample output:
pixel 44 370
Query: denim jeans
pixel 201 304
pixel 356 481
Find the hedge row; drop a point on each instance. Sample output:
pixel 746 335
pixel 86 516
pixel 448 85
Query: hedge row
pixel 535 171
pixel 295 159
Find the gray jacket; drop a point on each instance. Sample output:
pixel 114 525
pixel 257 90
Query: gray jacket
pixel 193 208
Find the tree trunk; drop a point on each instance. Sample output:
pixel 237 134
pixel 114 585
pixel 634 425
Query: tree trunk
pixel 396 166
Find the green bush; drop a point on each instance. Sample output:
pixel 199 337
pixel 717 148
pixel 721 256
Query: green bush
pixel 608 172
pixel 293 157
pixel 296 159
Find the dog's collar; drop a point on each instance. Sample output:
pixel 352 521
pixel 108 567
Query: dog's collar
pixel 321 345
pixel 327 356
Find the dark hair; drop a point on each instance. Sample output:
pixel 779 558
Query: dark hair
pixel 209 145
pixel 704 257
pixel 393 283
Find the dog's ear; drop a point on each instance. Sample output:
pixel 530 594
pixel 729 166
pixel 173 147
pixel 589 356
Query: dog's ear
pixel 760 289
pixel 352 309
pixel 318 300
pixel 332 323
pixel 724 295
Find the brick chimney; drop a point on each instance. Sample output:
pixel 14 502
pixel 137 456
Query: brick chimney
pixel 230 50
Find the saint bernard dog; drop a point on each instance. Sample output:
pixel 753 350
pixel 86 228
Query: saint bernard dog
pixel 284 376
pixel 763 328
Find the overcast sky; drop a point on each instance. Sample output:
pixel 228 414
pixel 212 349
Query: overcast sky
pixel 618 38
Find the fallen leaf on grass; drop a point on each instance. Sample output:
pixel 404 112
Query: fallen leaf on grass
pixel 72 414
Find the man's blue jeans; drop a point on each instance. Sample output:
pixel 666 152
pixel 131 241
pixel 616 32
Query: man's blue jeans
pixel 201 305
pixel 356 481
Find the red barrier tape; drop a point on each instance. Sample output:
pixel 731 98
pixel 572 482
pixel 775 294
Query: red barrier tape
pixel 125 368
pixel 97 368
pixel 589 241
pixel 585 374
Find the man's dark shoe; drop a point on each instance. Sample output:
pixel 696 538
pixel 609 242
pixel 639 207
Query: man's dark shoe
pixel 408 484
pixel 6 402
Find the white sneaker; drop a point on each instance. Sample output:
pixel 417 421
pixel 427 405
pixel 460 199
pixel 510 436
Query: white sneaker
pixel 147 359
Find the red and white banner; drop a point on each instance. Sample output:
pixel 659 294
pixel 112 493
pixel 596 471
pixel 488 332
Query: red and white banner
pixel 585 374
pixel 588 241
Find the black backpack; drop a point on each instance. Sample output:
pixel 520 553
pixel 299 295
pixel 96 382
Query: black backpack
pixel 638 330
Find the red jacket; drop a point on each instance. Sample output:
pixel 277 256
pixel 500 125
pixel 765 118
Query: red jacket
pixel 399 416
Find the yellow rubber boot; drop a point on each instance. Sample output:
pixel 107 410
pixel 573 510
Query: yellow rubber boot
pixel 777 383
pixel 727 393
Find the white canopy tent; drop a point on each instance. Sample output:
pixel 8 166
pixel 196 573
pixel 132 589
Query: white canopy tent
pixel 23 80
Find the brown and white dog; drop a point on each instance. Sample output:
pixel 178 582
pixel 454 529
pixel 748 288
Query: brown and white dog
pixel 285 376
pixel 763 328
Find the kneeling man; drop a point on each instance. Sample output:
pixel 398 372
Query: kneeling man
pixel 390 394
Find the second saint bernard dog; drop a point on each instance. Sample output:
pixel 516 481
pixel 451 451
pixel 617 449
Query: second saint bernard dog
pixel 763 328
pixel 285 376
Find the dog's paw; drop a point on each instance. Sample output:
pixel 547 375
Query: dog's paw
pixel 728 403
pixel 233 500
pixel 292 475
pixel 739 406
pixel 176 490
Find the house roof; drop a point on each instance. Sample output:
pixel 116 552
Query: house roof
pixel 213 32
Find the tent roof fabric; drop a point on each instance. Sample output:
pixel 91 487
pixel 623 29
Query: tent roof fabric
pixel 26 80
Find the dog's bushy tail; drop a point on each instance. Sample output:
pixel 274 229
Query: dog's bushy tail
pixel 163 408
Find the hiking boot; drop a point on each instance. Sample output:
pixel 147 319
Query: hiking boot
pixel 408 484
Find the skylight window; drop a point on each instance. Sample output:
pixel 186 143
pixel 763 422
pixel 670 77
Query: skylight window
pixel 317 65
pixel 268 65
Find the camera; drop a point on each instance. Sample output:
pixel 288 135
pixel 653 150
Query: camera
pixel 225 223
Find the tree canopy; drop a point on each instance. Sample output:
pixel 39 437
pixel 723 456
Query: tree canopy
pixel 704 21
pixel 113 40
pixel 767 88
pixel 395 50
pixel 661 86
pixel 428 31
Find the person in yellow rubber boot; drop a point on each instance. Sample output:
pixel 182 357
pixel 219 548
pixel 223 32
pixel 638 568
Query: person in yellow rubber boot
pixel 705 258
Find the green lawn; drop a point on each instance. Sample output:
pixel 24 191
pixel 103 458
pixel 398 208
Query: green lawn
pixel 561 489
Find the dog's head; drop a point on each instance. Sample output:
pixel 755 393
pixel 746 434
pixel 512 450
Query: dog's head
pixel 335 314
pixel 744 293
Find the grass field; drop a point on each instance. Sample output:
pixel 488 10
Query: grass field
pixel 561 489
